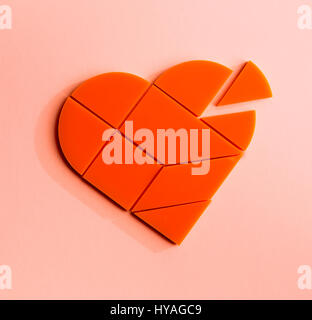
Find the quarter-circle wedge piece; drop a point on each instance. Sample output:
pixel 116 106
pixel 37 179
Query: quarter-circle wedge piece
pixel 111 95
pixel 250 84
pixel 194 83
pixel 79 134
pixel 236 127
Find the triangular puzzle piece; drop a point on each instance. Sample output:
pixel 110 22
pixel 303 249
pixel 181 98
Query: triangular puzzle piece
pixel 220 147
pixel 176 184
pixel 194 83
pixel 249 85
pixel 174 222
pixel 236 127
pixel 123 183
pixel 168 114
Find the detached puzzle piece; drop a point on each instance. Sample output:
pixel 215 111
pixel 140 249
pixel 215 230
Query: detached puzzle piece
pixel 166 196
pixel 250 84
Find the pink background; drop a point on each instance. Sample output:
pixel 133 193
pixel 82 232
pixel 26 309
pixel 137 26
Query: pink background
pixel 64 240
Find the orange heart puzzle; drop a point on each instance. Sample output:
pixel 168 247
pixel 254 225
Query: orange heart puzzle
pixel 166 196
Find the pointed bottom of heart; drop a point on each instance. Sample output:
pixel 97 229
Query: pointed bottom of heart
pixel 174 222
